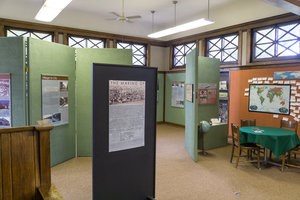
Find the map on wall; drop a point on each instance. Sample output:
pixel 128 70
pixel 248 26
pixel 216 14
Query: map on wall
pixel 270 98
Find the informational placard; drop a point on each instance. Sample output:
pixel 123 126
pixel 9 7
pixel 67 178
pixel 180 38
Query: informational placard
pixel 207 93
pixel 177 94
pixel 189 89
pixel 55 99
pixel 5 100
pixel 270 98
pixel 126 114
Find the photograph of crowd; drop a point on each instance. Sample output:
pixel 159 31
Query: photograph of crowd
pixel 126 92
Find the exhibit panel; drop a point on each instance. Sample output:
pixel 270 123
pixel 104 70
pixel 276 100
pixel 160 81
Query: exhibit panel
pixel 52 94
pixel 174 98
pixel 12 82
pixel 191 106
pixel 84 63
pixel 209 77
pixel 124 132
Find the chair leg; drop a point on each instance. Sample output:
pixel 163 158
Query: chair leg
pixel 238 159
pixel 232 152
pixel 270 155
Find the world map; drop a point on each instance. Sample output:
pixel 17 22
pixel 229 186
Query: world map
pixel 270 98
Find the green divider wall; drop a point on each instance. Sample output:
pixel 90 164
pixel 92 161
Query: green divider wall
pixel 47 58
pixel 160 97
pixel 12 61
pixel 209 72
pixel 84 62
pixel 173 114
pixel 191 108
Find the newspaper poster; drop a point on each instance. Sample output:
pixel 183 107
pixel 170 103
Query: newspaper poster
pixel 177 94
pixel 55 99
pixel 126 114
pixel 207 93
pixel 5 100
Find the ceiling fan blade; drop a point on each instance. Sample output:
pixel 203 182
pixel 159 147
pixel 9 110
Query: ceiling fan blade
pixel 129 21
pixel 134 17
pixel 116 14
pixel 111 18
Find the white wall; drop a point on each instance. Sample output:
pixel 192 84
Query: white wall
pixel 159 58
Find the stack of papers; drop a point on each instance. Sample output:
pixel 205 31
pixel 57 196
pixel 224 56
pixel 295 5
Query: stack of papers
pixel 257 130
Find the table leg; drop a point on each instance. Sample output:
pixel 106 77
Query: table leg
pixel 267 162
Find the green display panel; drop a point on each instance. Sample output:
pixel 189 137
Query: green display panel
pixel 173 114
pixel 51 59
pixel 84 62
pixel 209 72
pixel 12 61
pixel 160 97
pixel 205 71
pixel 191 107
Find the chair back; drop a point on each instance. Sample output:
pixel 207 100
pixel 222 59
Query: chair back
pixel 291 125
pixel 235 134
pixel 248 122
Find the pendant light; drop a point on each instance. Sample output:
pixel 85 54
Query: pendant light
pixel 183 27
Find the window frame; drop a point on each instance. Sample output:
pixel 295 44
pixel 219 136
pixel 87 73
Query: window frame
pixel 273 58
pixel 30 31
pixel 221 37
pixel 145 56
pixel 86 38
pixel 173 66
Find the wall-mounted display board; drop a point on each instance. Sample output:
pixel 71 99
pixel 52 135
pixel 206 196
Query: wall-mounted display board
pixel 5 100
pixel 270 98
pixel 12 62
pixel 55 99
pixel 177 94
pixel 52 59
pixel 124 131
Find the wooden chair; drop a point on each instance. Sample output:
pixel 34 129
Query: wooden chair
pixel 251 122
pixel 291 125
pixel 242 150
pixel 248 122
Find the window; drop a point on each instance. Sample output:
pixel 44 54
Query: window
pixel 81 42
pixel 180 52
pixel 10 32
pixel 139 52
pixel 225 48
pixel 278 41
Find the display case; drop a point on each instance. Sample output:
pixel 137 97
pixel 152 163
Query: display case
pixel 223 96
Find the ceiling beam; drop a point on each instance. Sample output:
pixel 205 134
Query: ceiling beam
pixel 292 6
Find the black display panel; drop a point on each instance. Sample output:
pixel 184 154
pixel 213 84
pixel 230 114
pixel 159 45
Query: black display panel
pixel 124 132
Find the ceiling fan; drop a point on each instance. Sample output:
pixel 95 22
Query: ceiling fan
pixel 122 17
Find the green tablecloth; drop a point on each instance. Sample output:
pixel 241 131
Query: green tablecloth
pixel 278 140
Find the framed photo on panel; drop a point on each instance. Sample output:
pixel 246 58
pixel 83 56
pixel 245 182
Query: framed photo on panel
pixel 5 100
